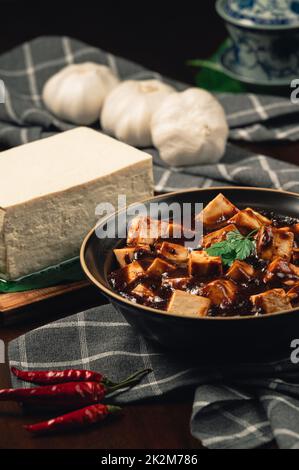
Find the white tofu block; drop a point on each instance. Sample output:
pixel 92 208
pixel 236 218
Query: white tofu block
pixel 188 305
pixel 49 190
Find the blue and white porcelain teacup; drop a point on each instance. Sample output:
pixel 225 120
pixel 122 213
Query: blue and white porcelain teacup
pixel 265 39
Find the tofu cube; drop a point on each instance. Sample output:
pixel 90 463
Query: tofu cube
pixel 293 293
pixel 295 255
pixel 263 220
pixel 264 242
pixel 174 253
pixel 272 243
pixel 124 256
pixel 217 236
pixel 271 301
pixel 240 271
pixel 281 270
pixel 178 231
pixel 188 305
pixel 278 269
pixel 144 230
pixel 221 292
pixel 136 231
pixel 143 292
pixel 247 220
pixel 285 229
pixel 158 267
pixel 132 271
pixel 180 283
pixel 202 264
pixel 217 212
pixel 295 230
pixel 283 244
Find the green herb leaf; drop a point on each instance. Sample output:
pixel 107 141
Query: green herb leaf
pixel 234 236
pixel 228 260
pixel 220 248
pixel 244 249
pixel 236 246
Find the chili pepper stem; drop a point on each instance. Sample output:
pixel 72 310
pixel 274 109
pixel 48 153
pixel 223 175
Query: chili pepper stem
pixel 114 409
pixel 129 381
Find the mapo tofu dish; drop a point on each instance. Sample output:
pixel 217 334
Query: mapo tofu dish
pixel 246 263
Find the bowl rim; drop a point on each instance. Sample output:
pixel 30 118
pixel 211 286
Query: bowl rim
pixel 258 27
pixel 111 293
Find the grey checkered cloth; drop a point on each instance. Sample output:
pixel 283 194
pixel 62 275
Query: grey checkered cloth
pixel 242 406
pixel 24 118
pixel 258 403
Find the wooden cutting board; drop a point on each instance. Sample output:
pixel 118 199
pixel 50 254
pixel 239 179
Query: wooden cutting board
pixel 22 299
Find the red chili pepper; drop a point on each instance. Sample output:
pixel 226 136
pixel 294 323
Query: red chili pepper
pixel 53 377
pixel 67 394
pixel 74 420
pixel 42 377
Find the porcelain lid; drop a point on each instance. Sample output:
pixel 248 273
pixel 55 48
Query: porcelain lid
pixel 252 13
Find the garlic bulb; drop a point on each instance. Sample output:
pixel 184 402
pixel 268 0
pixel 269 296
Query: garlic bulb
pixel 190 128
pixel 76 93
pixel 128 110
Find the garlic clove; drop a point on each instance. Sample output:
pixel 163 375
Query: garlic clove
pixel 190 128
pixel 128 110
pixel 77 92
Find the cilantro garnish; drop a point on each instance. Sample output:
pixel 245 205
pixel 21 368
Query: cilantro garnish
pixel 236 246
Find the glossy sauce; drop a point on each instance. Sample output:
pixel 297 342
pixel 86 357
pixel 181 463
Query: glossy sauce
pixel 162 293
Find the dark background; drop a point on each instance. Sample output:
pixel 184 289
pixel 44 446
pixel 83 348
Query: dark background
pixel 162 39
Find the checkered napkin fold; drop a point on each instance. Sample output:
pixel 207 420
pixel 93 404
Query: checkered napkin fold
pixel 242 406
pixel 23 117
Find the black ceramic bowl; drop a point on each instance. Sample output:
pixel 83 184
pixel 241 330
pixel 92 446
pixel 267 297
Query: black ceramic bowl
pixel 230 337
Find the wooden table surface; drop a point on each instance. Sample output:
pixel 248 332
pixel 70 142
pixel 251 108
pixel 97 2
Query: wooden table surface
pixel 163 424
